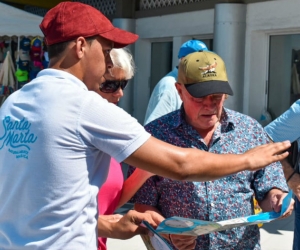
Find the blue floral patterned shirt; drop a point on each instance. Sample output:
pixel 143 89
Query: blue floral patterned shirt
pixel 223 199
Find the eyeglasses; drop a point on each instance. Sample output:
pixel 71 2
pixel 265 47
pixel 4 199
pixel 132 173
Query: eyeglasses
pixel 112 86
pixel 212 97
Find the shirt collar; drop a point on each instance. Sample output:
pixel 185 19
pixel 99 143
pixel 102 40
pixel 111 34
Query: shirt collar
pixel 63 75
pixel 226 121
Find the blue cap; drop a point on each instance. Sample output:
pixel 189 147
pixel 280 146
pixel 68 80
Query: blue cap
pixel 190 47
pixel 25 44
pixel 23 65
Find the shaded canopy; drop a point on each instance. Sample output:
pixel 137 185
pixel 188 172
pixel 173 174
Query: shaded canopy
pixel 16 22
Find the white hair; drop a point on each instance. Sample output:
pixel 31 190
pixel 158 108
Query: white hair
pixel 123 59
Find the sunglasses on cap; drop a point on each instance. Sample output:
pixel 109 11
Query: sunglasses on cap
pixel 110 86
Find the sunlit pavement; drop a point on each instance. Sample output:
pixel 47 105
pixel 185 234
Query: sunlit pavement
pixel 278 234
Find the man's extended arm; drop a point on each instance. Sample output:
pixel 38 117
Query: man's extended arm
pixel 178 163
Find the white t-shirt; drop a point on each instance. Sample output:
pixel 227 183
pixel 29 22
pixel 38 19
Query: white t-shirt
pixel 56 139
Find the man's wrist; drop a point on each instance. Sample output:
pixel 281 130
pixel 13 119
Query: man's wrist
pixel 291 176
pixel 105 228
pixel 245 163
pixel 287 169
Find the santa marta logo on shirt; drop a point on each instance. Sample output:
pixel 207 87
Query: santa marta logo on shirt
pixel 17 137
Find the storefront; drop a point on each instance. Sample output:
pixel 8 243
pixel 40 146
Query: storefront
pixel 258 40
pixel 283 87
pixel 259 43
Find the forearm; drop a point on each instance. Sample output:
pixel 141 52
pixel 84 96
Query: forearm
pixel 294 181
pixel 213 166
pixel 111 217
pixel 217 166
pixel 185 164
pixel 132 185
pixel 192 164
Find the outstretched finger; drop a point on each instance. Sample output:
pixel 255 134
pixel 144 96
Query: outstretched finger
pixel 277 148
pixel 280 157
pixel 138 218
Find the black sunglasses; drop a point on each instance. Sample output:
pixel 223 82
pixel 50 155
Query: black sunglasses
pixel 112 86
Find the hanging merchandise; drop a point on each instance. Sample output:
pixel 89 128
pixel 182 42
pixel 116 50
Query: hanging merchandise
pixel 7 79
pixel 14 48
pixel 24 49
pixel 45 57
pixel 24 55
pixel 24 65
pixel 25 44
pixel 1 50
pixel 36 57
pixel 29 60
pixel 7 72
pixel 22 77
pixel 23 62
pixel 6 48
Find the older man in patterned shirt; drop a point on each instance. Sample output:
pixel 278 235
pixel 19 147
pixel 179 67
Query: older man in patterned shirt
pixel 203 123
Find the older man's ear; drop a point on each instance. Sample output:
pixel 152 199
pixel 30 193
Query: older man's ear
pixel 179 87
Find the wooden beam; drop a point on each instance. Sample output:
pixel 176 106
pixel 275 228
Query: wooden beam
pixel 38 3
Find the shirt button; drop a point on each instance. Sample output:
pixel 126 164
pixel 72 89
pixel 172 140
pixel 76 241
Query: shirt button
pixel 212 204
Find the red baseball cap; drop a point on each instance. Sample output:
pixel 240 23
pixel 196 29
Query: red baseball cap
pixel 69 20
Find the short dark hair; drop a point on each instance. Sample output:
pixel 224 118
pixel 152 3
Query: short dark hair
pixel 56 49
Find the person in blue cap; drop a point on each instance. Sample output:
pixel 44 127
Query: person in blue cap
pixel 164 98
pixel 286 126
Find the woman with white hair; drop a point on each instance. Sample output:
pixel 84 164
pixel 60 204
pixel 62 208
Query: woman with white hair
pixel 115 192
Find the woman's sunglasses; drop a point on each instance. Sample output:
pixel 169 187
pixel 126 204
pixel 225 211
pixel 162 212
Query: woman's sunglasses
pixel 112 86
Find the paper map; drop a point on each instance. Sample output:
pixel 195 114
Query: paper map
pixel 184 226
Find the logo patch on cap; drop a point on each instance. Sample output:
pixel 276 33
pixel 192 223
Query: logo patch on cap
pixel 209 69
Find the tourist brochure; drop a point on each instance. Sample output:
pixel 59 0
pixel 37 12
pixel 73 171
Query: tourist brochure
pixel 154 241
pixel 184 226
